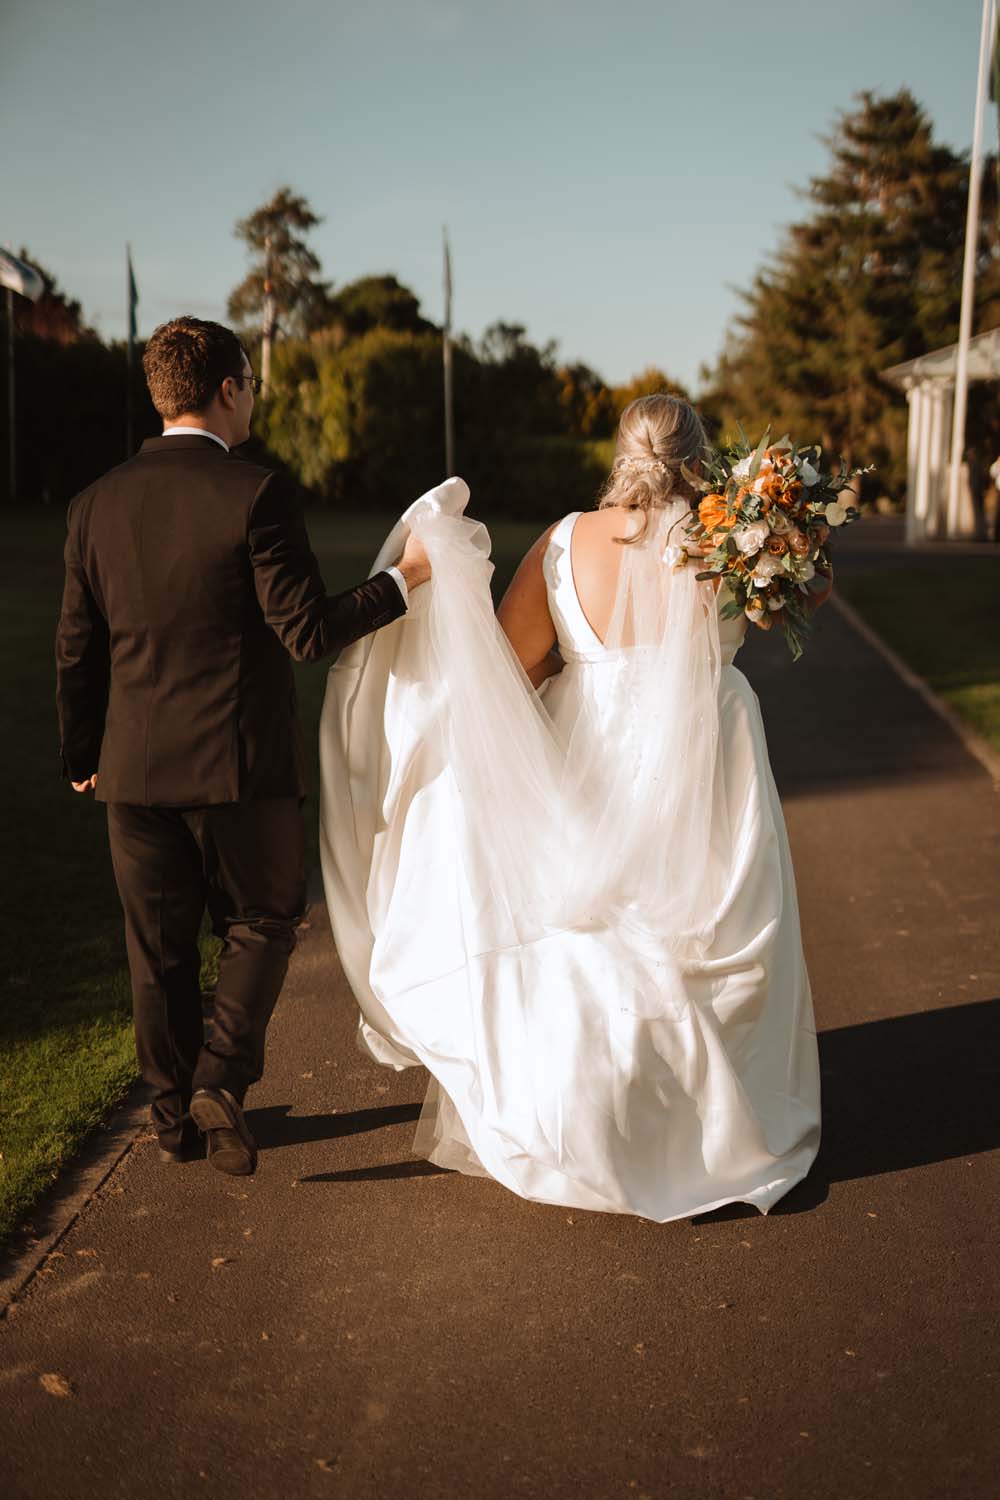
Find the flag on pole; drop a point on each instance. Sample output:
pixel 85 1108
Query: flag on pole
pixel 133 294
pixel 20 277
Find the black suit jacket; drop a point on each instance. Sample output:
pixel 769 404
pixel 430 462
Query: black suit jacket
pixel 189 582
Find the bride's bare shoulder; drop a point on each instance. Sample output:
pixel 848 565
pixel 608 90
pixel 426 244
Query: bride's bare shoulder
pixel 597 529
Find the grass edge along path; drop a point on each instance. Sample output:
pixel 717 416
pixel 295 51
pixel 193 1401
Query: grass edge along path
pixel 941 617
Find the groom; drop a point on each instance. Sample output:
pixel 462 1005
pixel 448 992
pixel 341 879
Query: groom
pixel 189 585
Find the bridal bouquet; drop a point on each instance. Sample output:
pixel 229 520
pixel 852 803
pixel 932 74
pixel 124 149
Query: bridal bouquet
pixel 767 514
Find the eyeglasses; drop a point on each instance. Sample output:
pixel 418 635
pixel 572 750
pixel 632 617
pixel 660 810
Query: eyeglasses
pixel 254 380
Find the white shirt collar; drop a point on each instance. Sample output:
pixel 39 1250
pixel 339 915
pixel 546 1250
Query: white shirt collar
pixel 196 432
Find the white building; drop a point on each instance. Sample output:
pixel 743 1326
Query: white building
pixel 929 383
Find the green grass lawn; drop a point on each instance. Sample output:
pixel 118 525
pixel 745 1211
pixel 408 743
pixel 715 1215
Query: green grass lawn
pixel 66 1053
pixel 942 616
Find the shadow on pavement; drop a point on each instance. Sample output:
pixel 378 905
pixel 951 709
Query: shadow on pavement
pixel 388 1171
pixel 276 1126
pixel 899 1093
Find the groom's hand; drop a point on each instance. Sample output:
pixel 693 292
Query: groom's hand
pixel 85 786
pixel 414 563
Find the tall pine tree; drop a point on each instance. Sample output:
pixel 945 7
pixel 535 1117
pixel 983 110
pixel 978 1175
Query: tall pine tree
pixel 274 235
pixel 871 277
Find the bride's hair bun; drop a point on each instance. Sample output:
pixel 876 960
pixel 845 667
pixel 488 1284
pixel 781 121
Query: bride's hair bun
pixel 656 436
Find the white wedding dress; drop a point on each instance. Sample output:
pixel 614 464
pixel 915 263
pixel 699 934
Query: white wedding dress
pixel 576 908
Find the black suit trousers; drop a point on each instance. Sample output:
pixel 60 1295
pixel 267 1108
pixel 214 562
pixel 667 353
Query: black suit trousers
pixel 245 862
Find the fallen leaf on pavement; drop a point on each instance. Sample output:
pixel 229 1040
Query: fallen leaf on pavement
pixel 56 1385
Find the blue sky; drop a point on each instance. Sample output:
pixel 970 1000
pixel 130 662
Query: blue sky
pixel 608 172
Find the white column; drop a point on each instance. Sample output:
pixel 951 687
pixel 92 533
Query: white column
pixel 937 459
pixel 921 492
pixel 912 461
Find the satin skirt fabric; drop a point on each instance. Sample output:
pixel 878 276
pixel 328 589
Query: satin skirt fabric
pixel 587 1066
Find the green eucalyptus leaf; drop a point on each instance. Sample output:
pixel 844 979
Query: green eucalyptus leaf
pixel 758 456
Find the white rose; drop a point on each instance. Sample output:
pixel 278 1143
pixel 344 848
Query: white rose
pixel 766 568
pixel 779 522
pixel 751 538
pixel 835 513
pixel 807 473
pixel 805 570
pixel 742 469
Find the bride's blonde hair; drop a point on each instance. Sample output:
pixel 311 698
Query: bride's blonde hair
pixel 656 436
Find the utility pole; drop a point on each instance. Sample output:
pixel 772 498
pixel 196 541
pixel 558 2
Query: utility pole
pixel 986 42
pixel 449 394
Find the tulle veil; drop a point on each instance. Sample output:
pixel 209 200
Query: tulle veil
pixel 602 823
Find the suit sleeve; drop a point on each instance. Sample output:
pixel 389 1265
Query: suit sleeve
pixel 83 664
pixel 309 623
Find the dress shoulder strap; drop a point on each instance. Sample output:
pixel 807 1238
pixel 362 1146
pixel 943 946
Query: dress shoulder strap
pixel 563 530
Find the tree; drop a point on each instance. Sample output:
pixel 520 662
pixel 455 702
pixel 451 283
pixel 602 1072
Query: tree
pixel 587 404
pixel 651 382
pixel 871 277
pixel 274 234
pixel 518 390
pixel 375 302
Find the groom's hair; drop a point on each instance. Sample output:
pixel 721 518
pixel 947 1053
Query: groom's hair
pixel 186 361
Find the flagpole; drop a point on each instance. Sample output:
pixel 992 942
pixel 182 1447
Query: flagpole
pixel 11 403
pixel 969 274
pixel 267 332
pixel 449 393
pixel 129 350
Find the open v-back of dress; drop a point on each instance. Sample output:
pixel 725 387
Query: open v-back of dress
pixel 595 1065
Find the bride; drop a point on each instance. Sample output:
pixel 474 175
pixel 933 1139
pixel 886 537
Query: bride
pixel 556 865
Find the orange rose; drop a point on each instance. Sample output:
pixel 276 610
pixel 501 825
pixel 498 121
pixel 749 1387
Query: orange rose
pixel 769 484
pixel 713 515
pixel 777 545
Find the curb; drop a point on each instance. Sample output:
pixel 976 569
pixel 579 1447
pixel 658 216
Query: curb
pixel 59 1207
pixel 974 743
pixel 78 1183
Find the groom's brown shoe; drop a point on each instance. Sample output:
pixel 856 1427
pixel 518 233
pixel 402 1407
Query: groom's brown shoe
pixel 229 1144
pixel 189 1151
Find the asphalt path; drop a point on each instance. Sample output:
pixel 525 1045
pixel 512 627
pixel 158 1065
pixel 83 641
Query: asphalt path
pixel 353 1322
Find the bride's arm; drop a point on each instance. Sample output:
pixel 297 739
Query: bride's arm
pixel 525 620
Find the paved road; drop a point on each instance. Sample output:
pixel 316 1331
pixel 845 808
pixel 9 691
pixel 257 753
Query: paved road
pixel 355 1323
